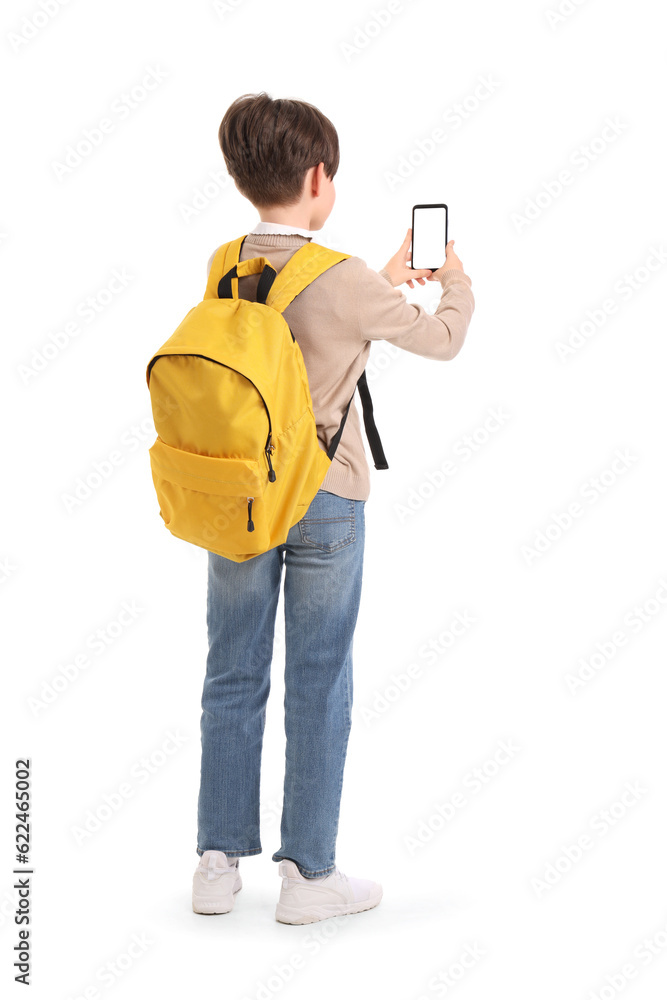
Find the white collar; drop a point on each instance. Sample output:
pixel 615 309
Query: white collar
pixel 280 228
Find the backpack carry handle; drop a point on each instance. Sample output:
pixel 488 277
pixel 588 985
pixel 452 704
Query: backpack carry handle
pixel 228 286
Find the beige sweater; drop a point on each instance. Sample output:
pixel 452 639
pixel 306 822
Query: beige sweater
pixel 335 319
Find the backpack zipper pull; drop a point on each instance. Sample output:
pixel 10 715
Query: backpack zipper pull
pixel 251 526
pixel 269 449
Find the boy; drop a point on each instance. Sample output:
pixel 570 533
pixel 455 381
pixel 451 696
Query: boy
pixel 282 156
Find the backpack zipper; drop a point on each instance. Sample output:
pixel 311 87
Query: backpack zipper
pixel 269 448
pixel 251 526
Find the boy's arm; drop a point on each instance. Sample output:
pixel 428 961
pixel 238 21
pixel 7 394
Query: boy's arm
pixel 384 313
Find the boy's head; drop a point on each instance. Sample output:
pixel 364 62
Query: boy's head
pixel 281 153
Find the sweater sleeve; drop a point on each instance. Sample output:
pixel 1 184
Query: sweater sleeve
pixel 385 314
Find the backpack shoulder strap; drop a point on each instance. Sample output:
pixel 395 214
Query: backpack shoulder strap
pixel 379 459
pixel 307 263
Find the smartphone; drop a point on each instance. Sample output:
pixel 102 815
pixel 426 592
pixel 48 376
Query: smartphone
pixel 429 236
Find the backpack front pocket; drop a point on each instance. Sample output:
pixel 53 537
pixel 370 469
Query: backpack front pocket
pixel 217 503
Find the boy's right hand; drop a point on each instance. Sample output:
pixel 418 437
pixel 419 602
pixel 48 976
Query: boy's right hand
pixel 452 263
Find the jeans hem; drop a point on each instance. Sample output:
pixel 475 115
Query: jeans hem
pixel 306 872
pixel 232 853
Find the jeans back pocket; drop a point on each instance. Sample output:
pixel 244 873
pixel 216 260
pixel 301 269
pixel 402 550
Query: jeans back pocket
pixel 329 522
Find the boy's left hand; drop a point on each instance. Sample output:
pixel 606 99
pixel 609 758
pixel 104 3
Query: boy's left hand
pixel 398 267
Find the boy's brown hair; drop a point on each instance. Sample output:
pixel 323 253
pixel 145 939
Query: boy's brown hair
pixel 269 145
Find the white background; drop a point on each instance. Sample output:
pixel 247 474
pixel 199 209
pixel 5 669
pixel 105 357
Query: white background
pixel 474 881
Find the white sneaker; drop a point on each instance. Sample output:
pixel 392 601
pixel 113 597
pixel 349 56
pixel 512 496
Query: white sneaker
pixel 214 883
pixel 305 900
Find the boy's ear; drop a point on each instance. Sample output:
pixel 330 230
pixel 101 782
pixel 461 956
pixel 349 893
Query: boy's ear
pixel 318 179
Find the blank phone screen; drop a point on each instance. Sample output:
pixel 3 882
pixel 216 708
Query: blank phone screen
pixel 429 238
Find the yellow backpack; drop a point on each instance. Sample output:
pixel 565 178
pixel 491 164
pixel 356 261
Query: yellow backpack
pixel 237 460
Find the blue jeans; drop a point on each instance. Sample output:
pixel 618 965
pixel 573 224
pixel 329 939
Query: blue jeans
pixel 323 557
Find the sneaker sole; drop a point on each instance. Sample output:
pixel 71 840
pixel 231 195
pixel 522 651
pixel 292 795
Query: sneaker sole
pixel 209 905
pixel 289 915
